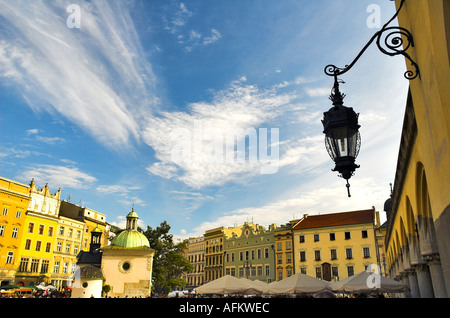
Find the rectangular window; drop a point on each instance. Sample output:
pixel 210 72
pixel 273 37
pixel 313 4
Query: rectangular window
pixel 68 248
pixel 301 239
pixel 364 234
pixel 334 271
pixel 30 227
pixel 279 259
pixel 288 258
pixel 41 229
pixel 61 230
pixel 56 267
pixel 302 256
pixel 10 258
pixel 332 236
pixel 266 253
pixel 48 247
pixel 5 211
pixel 317 255
pixel 38 246
pixel 347 235
pixel 23 266
pixel 279 247
pixel 2 230
pixel 18 214
pixel 316 237
pixel 319 272
pixel 267 268
pixel 333 254
pixel 50 231
pixel 44 267
pixel 34 265
pixel 59 246
pixel 15 232
pixel 348 253
pixel 350 271
pixel 280 274
pixel 366 252
pixel 288 245
pixel 27 244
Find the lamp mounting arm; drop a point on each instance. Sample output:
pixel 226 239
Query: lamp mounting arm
pixel 390 42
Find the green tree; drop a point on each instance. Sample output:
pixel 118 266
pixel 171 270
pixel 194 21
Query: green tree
pixel 106 289
pixel 169 262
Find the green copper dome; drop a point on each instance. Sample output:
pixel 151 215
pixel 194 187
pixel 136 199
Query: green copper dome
pixel 130 239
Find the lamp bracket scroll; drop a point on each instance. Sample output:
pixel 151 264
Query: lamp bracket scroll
pixel 390 40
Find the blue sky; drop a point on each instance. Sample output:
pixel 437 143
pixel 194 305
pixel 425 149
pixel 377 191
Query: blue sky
pixel 101 109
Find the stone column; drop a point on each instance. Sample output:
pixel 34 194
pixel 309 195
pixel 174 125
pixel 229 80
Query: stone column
pixel 404 279
pixel 437 277
pixel 424 281
pixel 413 284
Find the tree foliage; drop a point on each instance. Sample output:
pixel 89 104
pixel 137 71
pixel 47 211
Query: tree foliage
pixel 169 262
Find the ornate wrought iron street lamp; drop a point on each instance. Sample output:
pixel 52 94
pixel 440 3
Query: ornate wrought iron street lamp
pixel 342 138
pixel 340 123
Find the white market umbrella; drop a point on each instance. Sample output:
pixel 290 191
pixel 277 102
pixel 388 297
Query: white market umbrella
pixel 366 282
pixel 225 285
pixel 258 286
pixel 297 284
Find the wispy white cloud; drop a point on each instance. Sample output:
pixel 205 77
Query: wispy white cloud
pixel 97 71
pixel 124 194
pixel 240 106
pixel 57 176
pixel 197 39
pixel 177 17
pixel 50 140
pixel 318 91
pixel 32 131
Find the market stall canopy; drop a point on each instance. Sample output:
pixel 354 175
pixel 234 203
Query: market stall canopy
pixel 7 287
pixel 366 282
pixel 258 287
pixel 226 285
pixel 297 284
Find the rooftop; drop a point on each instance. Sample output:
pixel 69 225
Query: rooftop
pixel 335 219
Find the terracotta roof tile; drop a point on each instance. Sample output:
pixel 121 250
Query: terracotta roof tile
pixel 335 219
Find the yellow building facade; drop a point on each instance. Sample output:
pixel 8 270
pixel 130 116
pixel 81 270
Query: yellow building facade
pixel 39 237
pixel 196 256
pixel 214 249
pixel 284 251
pixel 69 239
pixel 337 245
pixel 417 249
pixel 14 200
pixel 92 219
